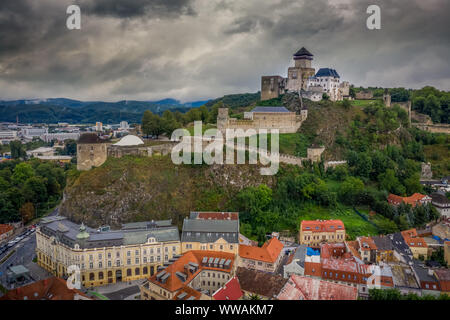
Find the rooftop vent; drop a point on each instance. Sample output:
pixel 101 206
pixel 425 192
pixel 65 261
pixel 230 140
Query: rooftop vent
pixel 182 276
pixel 182 295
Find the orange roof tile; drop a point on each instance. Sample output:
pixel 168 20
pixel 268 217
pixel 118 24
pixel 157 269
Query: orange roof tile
pixel 322 225
pixel 174 283
pixel 412 240
pixel 367 243
pixel 412 200
pixel 189 292
pixel 269 252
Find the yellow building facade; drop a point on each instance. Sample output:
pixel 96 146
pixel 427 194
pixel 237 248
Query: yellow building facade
pixel 104 257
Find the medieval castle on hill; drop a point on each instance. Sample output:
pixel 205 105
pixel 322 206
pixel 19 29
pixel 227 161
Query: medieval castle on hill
pixel 303 79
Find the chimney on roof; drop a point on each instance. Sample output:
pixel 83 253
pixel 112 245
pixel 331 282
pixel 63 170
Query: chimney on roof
pixel 430 272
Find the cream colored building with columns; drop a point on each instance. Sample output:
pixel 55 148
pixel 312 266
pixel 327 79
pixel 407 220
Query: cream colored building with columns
pixel 104 257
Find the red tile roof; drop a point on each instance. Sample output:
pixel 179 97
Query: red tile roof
pixel 218 215
pixel 269 252
pixel 4 228
pixel 413 200
pixel 306 288
pixel 367 243
pixel 322 225
pixel 230 291
pixel 443 276
pixel 174 283
pixel 48 289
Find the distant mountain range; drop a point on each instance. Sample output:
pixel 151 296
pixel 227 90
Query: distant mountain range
pixel 55 110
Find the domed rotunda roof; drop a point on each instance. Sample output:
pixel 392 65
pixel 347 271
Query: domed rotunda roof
pixel 129 140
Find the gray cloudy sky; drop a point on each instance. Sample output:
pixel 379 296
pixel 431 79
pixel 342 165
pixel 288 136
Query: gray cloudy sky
pixel 198 49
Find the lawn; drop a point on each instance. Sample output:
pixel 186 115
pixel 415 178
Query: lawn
pixel 354 224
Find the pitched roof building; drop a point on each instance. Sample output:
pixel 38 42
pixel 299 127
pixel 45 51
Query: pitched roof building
pixel 306 288
pixel 203 271
pixel 263 284
pixel 266 258
pixel 48 289
pixel 230 291
pixel 315 232
pixel 415 199
pixel 210 234
pixel 416 244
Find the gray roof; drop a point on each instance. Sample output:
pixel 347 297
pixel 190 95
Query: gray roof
pixel 270 109
pixel 422 273
pixel 205 231
pixel 383 243
pixel 66 232
pixel 147 224
pixel 401 247
pixel 299 255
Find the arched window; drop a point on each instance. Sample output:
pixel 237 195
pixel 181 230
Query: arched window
pixel 110 273
pixel 100 275
pixel 91 276
pixel 128 272
pixel 145 270
pixel 137 271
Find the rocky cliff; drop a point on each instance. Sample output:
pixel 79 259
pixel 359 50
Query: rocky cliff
pixel 140 188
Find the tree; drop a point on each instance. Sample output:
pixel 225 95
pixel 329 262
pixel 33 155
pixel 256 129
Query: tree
pixel 35 190
pixel 350 190
pixel 325 97
pixel 22 172
pixel 70 147
pixel 151 124
pixel 169 123
pixel 17 150
pixel 389 182
pixel 27 212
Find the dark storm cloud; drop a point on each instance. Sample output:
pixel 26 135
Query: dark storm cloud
pixel 196 49
pixel 136 8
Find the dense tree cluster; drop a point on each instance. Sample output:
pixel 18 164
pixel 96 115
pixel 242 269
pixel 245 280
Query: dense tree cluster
pixel 432 102
pixel 395 294
pixel 29 188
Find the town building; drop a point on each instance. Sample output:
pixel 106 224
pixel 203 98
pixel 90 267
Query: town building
pixel 264 285
pixel 367 249
pixel 6 231
pixel 306 288
pixel 266 258
pixel 105 256
pixel 330 83
pixel 210 234
pixel 61 136
pixel 230 291
pixel 404 279
pixel 441 203
pixel 315 232
pixel 41 151
pixel 32 132
pixel 415 199
pixel 443 277
pixel 98 126
pixel 296 262
pixel 7 136
pixel 417 245
pixel 385 248
pixel 202 271
pixel 340 266
pixel 426 279
pixel 262 118
pixel 48 289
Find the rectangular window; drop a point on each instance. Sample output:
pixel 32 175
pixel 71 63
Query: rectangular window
pixel 128 253
pixel 128 261
pixel 109 264
pixel 118 263
pixel 91 265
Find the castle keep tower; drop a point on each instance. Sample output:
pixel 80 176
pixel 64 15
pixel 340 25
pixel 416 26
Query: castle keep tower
pixel 91 151
pixel 222 119
pixel 299 74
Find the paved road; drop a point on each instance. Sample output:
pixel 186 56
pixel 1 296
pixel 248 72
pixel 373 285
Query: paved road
pixel 123 294
pixel 25 251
